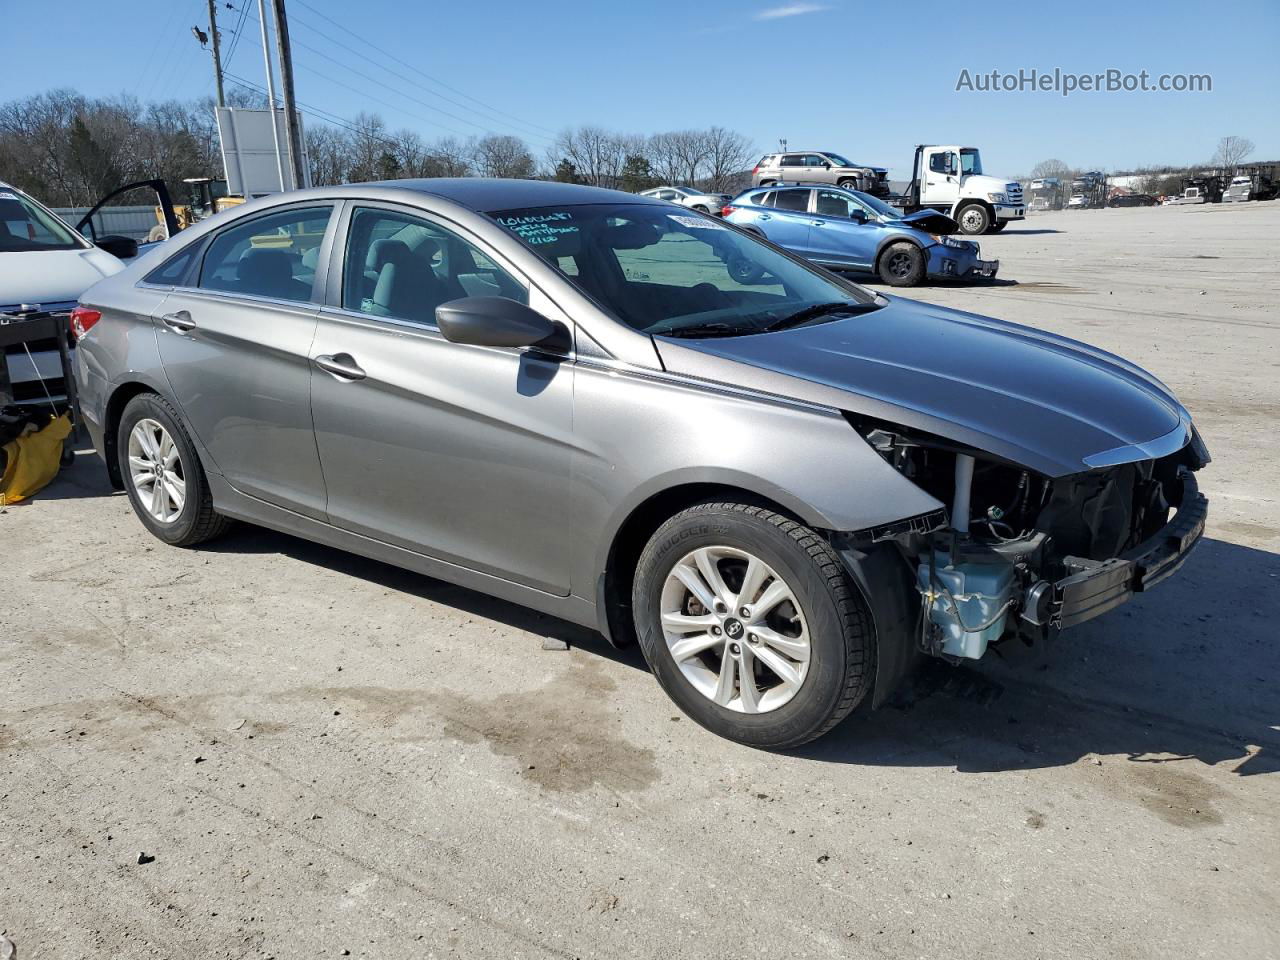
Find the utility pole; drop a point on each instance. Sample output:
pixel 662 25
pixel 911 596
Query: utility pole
pixel 286 90
pixel 271 91
pixel 217 52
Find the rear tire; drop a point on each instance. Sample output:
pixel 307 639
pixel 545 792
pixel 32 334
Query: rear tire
pixel 902 265
pixel 973 218
pixel 796 666
pixel 163 476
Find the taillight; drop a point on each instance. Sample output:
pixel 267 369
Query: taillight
pixel 755 169
pixel 726 210
pixel 82 321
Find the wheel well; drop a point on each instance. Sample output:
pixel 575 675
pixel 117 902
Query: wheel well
pixel 111 425
pixel 631 537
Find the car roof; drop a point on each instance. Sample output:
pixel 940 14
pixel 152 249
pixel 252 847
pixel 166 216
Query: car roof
pixel 484 195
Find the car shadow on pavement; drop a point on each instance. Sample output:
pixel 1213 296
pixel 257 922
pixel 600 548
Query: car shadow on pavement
pixel 1186 672
pixel 245 538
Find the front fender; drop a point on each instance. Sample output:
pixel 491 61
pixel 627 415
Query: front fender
pixel 652 432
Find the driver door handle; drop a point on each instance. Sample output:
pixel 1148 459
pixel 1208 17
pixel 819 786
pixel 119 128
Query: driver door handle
pixel 818 223
pixel 341 365
pixel 766 216
pixel 180 321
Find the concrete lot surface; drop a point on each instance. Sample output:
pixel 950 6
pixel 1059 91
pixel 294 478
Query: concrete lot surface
pixel 329 757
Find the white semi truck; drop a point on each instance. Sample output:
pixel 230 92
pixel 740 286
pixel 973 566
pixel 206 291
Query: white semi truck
pixel 949 179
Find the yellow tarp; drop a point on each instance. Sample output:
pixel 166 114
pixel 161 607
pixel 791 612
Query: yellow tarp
pixel 33 460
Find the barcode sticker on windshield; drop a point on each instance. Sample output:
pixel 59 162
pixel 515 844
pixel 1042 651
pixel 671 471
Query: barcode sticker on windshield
pixel 696 223
pixel 6 195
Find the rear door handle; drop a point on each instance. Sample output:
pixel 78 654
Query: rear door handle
pixel 818 223
pixel 766 216
pixel 180 321
pixel 341 365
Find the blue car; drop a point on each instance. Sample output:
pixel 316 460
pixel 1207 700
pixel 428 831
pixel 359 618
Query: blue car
pixel 849 230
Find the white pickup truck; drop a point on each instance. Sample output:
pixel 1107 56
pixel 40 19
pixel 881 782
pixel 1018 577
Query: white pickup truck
pixel 949 179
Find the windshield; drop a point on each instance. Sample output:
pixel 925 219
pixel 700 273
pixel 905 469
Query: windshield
pixel 678 274
pixel 838 160
pixel 881 208
pixel 970 162
pixel 26 226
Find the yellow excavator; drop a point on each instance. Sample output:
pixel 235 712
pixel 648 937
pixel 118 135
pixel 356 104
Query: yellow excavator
pixel 208 196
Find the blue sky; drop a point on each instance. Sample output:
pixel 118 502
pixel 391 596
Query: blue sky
pixel 866 79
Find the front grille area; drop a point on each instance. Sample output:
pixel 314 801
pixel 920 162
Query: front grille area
pixel 1014 192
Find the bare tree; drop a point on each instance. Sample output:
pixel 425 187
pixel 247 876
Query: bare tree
pixel 1052 168
pixel 1231 150
pixel 503 156
pixel 597 155
pixel 729 154
pixel 451 157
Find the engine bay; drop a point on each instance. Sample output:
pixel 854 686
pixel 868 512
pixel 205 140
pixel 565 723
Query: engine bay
pixel 1014 540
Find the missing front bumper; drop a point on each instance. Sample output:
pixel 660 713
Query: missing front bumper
pixel 1096 586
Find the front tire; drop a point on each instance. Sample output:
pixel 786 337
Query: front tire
pixel 974 219
pixel 751 625
pixel 902 265
pixel 163 476
pixel 997 226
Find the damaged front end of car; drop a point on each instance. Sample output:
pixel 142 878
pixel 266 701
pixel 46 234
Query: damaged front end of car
pixel 1019 554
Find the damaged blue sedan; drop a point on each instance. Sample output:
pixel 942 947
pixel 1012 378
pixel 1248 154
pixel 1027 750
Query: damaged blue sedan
pixel 844 229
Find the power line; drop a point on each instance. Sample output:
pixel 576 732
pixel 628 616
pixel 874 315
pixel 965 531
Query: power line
pixel 235 40
pixel 315 112
pixel 416 70
pixel 400 76
pixel 359 73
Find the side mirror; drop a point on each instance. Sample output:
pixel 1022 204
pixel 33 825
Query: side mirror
pixel 123 248
pixel 858 216
pixel 499 322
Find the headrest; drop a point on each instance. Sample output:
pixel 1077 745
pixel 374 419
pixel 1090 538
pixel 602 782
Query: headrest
pixel 382 252
pixel 264 266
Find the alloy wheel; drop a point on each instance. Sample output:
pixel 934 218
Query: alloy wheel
pixel 735 629
pixel 155 470
pixel 900 264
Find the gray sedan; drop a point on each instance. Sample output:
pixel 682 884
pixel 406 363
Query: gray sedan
pixel 788 490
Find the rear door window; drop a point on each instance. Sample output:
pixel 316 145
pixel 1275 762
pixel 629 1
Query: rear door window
pixel 796 200
pixel 273 256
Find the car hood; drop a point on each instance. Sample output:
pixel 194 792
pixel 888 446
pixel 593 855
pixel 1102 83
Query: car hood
pixel 1045 402
pixel 52 276
pixel 930 221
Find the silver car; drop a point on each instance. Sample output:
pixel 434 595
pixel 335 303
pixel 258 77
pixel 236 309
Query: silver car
pixel 787 488
pixel 820 166
pixel 689 197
